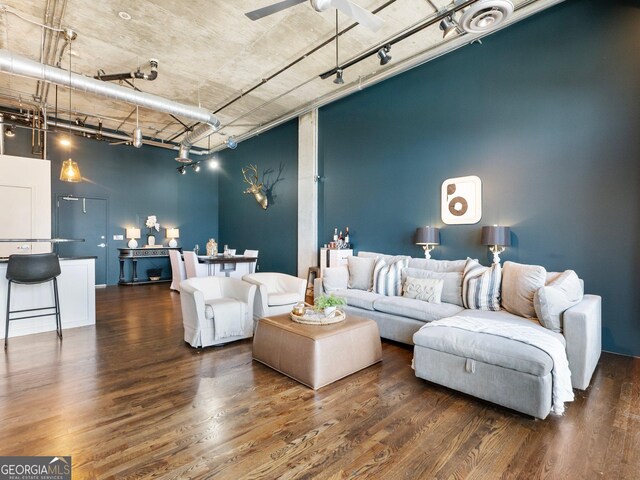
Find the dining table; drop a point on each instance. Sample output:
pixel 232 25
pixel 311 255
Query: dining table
pixel 227 264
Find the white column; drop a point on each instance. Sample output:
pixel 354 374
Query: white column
pixel 307 192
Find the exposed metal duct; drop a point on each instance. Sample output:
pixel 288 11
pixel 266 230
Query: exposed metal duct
pixel 194 136
pixel 18 65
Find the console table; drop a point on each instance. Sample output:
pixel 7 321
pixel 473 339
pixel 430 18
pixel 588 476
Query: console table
pixel 135 254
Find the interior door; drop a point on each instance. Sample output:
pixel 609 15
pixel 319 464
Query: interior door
pixel 83 217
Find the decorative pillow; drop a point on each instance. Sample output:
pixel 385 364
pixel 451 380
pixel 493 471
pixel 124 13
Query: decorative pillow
pixel 425 289
pixel 438 265
pixel 361 273
pixel 387 279
pixel 552 300
pixel 519 284
pixel 481 286
pixel 452 283
pixel 335 278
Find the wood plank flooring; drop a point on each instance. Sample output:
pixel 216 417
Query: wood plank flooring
pixel 129 399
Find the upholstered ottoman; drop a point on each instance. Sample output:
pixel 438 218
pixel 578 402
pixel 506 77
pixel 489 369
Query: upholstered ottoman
pixel 317 355
pixel 503 371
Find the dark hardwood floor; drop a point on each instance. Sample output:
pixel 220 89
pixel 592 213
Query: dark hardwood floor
pixel 129 399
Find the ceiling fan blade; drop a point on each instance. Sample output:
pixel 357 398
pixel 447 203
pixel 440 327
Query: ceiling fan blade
pixel 270 9
pixel 359 14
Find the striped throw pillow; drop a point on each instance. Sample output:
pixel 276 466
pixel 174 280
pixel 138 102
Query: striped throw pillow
pixel 481 286
pixel 387 279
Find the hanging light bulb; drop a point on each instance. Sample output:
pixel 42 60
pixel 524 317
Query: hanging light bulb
pixel 339 80
pixel 70 171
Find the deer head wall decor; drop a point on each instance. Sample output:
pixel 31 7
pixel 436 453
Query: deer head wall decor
pixel 255 188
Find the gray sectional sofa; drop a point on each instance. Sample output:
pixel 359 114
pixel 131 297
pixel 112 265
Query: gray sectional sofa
pixel 501 370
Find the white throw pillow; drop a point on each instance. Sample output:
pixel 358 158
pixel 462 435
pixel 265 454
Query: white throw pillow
pixel 335 278
pixel 387 279
pixel 552 300
pixel 425 289
pixel 481 286
pixel 438 265
pixel 361 273
pixel 452 283
pixel 519 284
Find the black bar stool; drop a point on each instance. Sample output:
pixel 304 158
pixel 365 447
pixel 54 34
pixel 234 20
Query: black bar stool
pixel 30 270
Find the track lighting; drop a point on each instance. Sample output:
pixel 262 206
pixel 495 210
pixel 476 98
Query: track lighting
pixel 231 143
pixel 182 170
pixel 9 131
pixel 449 26
pixel 195 166
pixel 213 164
pixel 339 80
pixel 383 54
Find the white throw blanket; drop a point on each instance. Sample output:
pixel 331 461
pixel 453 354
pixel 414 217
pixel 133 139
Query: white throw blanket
pixel 227 318
pixel 560 374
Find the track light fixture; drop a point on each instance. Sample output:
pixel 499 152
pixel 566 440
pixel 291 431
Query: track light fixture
pixel 449 26
pixel 339 80
pixel 383 54
pixel 181 170
pixel 231 143
pixel 9 131
pixel 195 166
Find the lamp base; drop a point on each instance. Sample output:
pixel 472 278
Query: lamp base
pixel 427 251
pixel 173 243
pixel 496 250
pixel 132 243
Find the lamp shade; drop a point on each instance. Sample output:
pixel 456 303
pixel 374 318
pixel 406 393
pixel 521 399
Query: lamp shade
pixel 70 172
pixel 427 236
pixel 173 233
pixel 133 233
pixel 495 235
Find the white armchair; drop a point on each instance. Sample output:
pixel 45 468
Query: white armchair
pixel 216 310
pixel 277 293
pixel 178 272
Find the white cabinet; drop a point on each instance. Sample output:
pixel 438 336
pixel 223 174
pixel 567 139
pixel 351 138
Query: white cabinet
pixel 332 257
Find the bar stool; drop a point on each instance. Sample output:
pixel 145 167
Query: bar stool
pixel 31 270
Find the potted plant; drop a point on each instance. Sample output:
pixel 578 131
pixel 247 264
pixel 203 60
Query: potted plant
pixel 328 304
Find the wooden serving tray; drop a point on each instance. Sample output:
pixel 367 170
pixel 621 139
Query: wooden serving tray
pixel 316 319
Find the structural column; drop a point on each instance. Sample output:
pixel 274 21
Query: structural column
pixel 307 192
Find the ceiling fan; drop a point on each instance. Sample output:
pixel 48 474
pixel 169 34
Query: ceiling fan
pixel 359 14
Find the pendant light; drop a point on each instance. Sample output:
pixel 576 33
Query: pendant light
pixel 70 172
pixel 338 80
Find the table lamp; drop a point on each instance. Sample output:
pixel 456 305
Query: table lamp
pixel 172 234
pixel 132 234
pixel 497 238
pixel 428 237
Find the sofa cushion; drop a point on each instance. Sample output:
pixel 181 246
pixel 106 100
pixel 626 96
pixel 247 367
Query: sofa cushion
pixel 452 283
pixel 358 298
pixel 335 278
pixel 361 272
pixel 519 284
pixel 387 278
pixel 389 259
pixel 276 299
pixel 486 348
pixel 481 286
pixel 553 299
pixel 437 265
pixel 425 289
pixel 416 309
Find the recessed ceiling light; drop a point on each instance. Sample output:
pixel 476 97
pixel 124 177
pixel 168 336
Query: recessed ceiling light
pixel 124 15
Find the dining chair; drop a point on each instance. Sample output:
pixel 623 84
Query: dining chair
pixel 252 254
pixel 192 267
pixel 178 272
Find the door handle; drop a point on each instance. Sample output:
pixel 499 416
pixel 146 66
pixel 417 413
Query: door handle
pixel 102 245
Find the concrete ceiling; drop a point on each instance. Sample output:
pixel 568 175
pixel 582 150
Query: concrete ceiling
pixel 211 54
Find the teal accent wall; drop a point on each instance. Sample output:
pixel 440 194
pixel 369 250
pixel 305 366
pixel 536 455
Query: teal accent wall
pixel 546 113
pixel 243 223
pixel 136 182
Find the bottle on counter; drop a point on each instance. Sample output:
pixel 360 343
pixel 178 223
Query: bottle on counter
pixel 346 237
pixel 196 249
pixel 335 235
